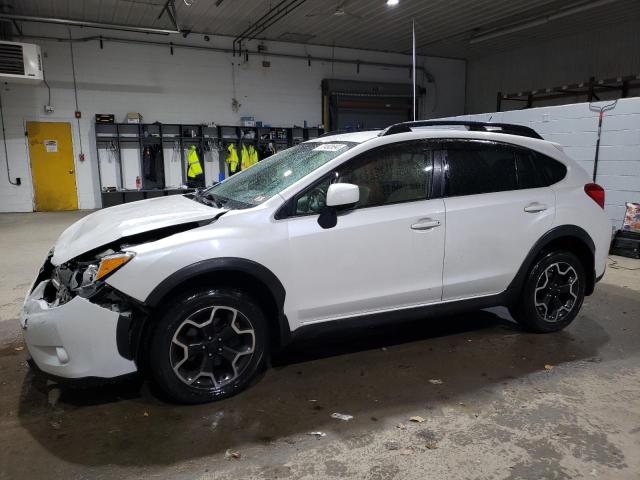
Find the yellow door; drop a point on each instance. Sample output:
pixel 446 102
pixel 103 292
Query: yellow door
pixel 54 176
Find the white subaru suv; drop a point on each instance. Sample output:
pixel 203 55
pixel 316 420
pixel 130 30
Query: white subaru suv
pixel 419 219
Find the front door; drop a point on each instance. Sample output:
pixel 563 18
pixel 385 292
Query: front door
pixel 386 254
pixel 52 167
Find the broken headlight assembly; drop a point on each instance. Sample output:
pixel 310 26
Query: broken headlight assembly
pixel 92 277
pixel 84 277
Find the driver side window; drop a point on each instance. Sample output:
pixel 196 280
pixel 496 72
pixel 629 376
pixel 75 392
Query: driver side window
pixel 314 199
pixel 395 173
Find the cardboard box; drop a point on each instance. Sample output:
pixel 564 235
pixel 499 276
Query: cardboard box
pixel 133 117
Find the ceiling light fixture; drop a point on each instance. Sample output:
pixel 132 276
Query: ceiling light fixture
pixel 538 21
pixel 392 3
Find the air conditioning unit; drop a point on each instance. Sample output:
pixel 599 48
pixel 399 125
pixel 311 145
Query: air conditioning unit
pixel 20 63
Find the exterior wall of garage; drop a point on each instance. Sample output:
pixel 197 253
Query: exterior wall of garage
pixel 606 52
pixel 189 86
pixel 575 128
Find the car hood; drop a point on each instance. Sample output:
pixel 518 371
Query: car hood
pixel 110 224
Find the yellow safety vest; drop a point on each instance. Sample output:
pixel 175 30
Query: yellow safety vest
pixel 195 168
pixel 232 158
pixel 249 156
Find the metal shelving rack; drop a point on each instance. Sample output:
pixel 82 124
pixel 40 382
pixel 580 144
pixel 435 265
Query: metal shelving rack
pixel 116 136
pixel 620 86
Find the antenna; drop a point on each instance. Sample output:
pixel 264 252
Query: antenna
pixel 413 25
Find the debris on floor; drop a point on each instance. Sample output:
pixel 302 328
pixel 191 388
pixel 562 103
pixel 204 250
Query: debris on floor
pixel 430 438
pixel 431 444
pixel 392 445
pixel 19 349
pixel 215 420
pixel 417 419
pixel 401 426
pixel 436 381
pixel 548 367
pixel 232 454
pixel 53 396
pixel 342 416
pixel 317 434
pixel 145 414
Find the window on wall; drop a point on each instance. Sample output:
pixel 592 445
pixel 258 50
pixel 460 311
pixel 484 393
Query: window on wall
pixel 395 173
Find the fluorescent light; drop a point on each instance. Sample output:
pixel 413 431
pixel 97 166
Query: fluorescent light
pixel 392 3
pixel 538 21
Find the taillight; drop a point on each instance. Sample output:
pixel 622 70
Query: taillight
pixel 596 192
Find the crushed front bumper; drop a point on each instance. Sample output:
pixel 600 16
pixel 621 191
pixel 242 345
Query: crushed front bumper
pixel 74 340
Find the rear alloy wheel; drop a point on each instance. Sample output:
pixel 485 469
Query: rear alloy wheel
pixel 553 293
pixel 556 291
pixel 208 345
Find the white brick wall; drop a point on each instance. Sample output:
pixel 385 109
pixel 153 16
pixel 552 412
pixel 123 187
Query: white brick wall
pixel 575 128
pixel 189 86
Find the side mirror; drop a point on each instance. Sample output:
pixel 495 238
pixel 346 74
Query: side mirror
pixel 342 195
pixel 339 196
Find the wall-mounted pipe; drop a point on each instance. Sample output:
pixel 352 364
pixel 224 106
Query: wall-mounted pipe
pixel 305 57
pixel 79 23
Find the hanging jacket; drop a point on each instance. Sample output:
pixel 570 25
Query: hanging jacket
pixel 249 156
pixel 195 168
pixel 232 158
pixel 253 153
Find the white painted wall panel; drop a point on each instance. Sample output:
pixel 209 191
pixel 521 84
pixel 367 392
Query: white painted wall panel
pixel 188 86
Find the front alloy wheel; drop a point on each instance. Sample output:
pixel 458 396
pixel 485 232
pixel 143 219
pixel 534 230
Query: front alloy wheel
pixel 212 347
pixel 208 345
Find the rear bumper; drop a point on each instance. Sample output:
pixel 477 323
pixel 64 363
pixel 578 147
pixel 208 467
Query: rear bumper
pixel 74 340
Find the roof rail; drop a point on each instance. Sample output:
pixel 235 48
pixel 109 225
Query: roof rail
pixel 506 128
pixel 340 132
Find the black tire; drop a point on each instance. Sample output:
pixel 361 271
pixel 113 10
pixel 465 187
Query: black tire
pixel 164 353
pixel 540 296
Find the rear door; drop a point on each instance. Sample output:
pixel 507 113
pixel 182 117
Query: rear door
pixel 496 209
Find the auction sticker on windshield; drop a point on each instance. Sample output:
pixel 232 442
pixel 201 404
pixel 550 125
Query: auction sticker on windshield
pixel 329 147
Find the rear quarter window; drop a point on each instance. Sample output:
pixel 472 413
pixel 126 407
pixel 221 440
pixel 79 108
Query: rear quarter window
pixel 552 170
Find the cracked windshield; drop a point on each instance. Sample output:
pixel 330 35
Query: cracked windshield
pixel 257 184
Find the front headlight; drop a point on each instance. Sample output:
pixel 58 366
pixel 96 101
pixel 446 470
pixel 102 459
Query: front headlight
pixel 111 263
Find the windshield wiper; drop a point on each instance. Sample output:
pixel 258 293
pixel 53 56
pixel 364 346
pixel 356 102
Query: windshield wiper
pixel 212 199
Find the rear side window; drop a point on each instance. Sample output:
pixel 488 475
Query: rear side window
pixel 475 167
pixel 529 176
pixel 479 167
pixel 552 170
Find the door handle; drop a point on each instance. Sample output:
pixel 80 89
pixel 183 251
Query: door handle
pixel 535 207
pixel 425 224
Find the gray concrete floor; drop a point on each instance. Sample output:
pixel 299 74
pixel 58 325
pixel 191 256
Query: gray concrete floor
pixel 496 402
